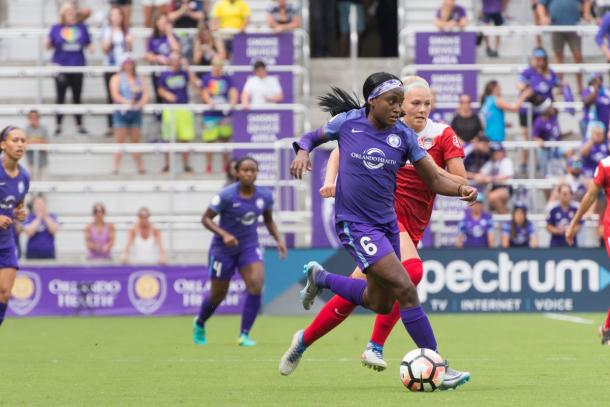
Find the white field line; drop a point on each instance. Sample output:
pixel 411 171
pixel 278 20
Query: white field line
pixel 568 318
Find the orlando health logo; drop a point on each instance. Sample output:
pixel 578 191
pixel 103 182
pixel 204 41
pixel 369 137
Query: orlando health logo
pixel 147 290
pixel 373 158
pixel 26 293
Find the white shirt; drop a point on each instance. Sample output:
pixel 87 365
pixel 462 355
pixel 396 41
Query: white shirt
pixel 261 89
pixel 502 168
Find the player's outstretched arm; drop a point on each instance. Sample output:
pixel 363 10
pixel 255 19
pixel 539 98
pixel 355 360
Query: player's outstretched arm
pixel 440 183
pixel 330 177
pixel 586 202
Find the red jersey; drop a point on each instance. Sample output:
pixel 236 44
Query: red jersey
pixel 414 200
pixel 601 178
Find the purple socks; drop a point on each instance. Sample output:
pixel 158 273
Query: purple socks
pixel 351 289
pixel 2 311
pixel 248 315
pixel 418 326
pixel 207 309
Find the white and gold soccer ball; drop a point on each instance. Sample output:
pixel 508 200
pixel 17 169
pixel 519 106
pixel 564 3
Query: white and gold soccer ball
pixel 422 370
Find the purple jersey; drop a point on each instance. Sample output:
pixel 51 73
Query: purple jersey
pixel 546 128
pixel 542 85
pixel 68 43
pixel 41 245
pixel 476 229
pixel 604 30
pixel 177 83
pixel 456 14
pixel 239 216
pixel 492 6
pixel 589 161
pixel 560 217
pixel 521 236
pixel 218 87
pixel 159 46
pixel 368 160
pixel 12 192
pixel 600 108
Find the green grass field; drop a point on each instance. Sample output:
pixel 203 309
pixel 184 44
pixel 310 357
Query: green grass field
pixel 515 360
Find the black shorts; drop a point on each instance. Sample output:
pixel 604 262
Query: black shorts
pixel 496 18
pixel 120 2
pixel 523 118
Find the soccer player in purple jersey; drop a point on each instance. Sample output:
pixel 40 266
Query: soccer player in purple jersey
pixel 373 145
pixel 14 186
pixel 235 246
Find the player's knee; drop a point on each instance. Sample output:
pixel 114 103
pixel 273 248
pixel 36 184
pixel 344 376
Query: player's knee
pixel 5 293
pixel 382 307
pixel 415 270
pixel 406 295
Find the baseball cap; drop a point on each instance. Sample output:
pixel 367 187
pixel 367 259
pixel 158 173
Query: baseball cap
pixel 496 146
pixel 539 53
pixel 575 162
pixel 594 75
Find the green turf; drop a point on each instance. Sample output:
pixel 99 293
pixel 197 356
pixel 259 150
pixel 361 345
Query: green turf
pixel 515 360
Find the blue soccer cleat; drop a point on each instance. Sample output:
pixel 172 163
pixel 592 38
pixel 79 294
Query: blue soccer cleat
pixel 372 357
pixel 308 294
pixel 198 334
pixel 244 340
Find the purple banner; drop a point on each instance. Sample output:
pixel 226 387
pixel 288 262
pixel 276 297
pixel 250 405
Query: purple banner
pixel 323 209
pixel 448 86
pixel 445 48
pixel 117 290
pixel 285 79
pixel 272 49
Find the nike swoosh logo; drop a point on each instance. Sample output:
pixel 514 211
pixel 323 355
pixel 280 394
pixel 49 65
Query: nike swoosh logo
pixel 340 314
pixel 235 205
pixel 357 131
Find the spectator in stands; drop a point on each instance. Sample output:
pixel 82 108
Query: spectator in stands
pixel 450 16
pixel 477 227
pixel 565 12
pixel 159 48
pixel 494 174
pixel 594 149
pixel 99 235
pixel 207 47
pixel 231 172
pixel 230 15
pixel 574 178
pixel 83 11
pixel 492 13
pixel 519 231
pixel 596 101
pixel 68 39
pixel 117 43
pixel 186 14
pixel 261 88
pixel 130 92
pixel 144 244
pixel 546 128
pixel 466 124
pixel 493 107
pixel 560 215
pixel 36 133
pixel 600 7
pixel 477 154
pixel 283 17
pixel 40 227
pixel 178 123
pixel 217 89
pixel 152 8
pixel 343 10
pixel 125 6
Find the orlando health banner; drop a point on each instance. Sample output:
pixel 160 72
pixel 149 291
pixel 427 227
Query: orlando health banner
pixel 452 48
pixel 116 290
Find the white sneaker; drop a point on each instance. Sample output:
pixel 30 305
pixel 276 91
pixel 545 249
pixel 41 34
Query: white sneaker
pixel 372 357
pixel 292 357
pixel 454 379
pixel 311 289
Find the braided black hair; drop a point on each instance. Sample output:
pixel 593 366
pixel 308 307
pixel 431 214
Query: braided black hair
pixel 243 160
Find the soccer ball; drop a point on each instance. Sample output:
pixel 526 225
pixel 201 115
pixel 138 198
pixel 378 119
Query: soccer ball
pixel 422 370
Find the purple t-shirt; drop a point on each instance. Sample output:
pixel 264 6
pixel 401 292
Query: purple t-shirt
pixel 600 108
pixel 476 230
pixel 159 46
pixel 589 162
pixel 546 128
pixel 218 88
pixel 542 85
pixel 12 192
pixel 492 6
pixel 456 14
pixel 177 83
pixel 239 216
pixel 522 234
pixel 557 217
pixel 42 243
pixel 369 160
pixel 69 42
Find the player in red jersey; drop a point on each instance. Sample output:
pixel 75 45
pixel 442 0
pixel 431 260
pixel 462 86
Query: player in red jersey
pixel 601 180
pixel 413 205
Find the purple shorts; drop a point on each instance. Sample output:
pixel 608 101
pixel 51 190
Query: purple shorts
pixel 369 243
pixel 222 266
pixel 8 258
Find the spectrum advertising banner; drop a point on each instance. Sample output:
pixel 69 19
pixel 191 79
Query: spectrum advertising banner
pixel 116 290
